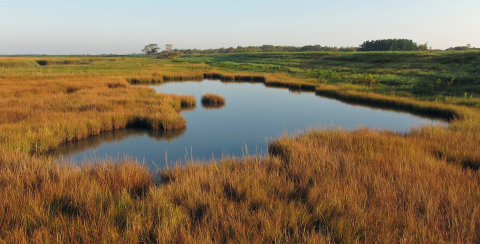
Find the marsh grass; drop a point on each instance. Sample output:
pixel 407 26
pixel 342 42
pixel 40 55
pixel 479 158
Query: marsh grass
pixel 212 99
pixel 187 101
pixel 39 113
pixel 320 186
pixel 447 74
pixel 156 78
pixel 15 63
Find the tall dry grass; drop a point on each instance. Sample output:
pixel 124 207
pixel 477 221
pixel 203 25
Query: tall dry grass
pixel 39 116
pixel 321 186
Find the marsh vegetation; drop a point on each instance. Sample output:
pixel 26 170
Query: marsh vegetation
pixel 213 99
pixel 432 76
pixel 340 186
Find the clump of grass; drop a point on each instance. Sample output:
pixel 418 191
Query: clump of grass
pixel 187 101
pixel 366 79
pixel 213 99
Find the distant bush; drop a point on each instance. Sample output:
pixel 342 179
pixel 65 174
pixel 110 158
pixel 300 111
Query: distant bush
pixel 366 79
pixel 169 55
pixel 423 47
pixel 348 49
pixel 323 75
pixel 462 48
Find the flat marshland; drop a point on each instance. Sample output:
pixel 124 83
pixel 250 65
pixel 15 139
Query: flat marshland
pixel 320 186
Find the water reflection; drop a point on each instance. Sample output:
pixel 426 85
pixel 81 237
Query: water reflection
pixel 84 146
pixel 212 106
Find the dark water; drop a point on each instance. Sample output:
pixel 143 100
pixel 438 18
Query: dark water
pixel 253 114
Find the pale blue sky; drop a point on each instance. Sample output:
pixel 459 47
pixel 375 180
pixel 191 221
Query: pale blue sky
pixel 121 26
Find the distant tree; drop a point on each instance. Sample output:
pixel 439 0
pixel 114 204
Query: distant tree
pixel 423 47
pixel 347 49
pixel 151 49
pixel 239 49
pixel 310 48
pixel 389 45
pixel 267 48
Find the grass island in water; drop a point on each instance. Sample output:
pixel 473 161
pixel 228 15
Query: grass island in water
pixel 213 99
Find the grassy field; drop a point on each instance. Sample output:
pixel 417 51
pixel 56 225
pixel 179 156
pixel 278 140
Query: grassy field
pixel 444 76
pixel 321 186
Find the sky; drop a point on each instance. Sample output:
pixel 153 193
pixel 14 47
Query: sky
pixel 124 27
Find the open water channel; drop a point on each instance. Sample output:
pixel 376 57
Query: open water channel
pixel 253 115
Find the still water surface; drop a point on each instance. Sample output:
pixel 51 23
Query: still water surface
pixel 253 114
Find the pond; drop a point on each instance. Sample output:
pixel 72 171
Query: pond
pixel 253 115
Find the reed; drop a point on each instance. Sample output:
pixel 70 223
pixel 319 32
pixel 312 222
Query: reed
pixel 212 99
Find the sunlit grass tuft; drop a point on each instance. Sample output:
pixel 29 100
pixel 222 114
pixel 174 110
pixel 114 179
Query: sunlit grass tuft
pixel 212 99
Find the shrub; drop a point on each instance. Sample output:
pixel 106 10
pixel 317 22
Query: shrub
pixel 323 75
pixel 365 79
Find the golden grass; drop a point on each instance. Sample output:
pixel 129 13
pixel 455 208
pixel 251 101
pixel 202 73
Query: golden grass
pixel 212 99
pixel 13 63
pixel 321 186
pixel 39 116
pixel 157 78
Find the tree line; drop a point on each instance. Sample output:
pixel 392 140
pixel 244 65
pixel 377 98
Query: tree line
pixel 374 45
pixel 266 48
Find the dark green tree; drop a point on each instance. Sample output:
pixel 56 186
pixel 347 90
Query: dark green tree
pixel 389 45
pixel 151 49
